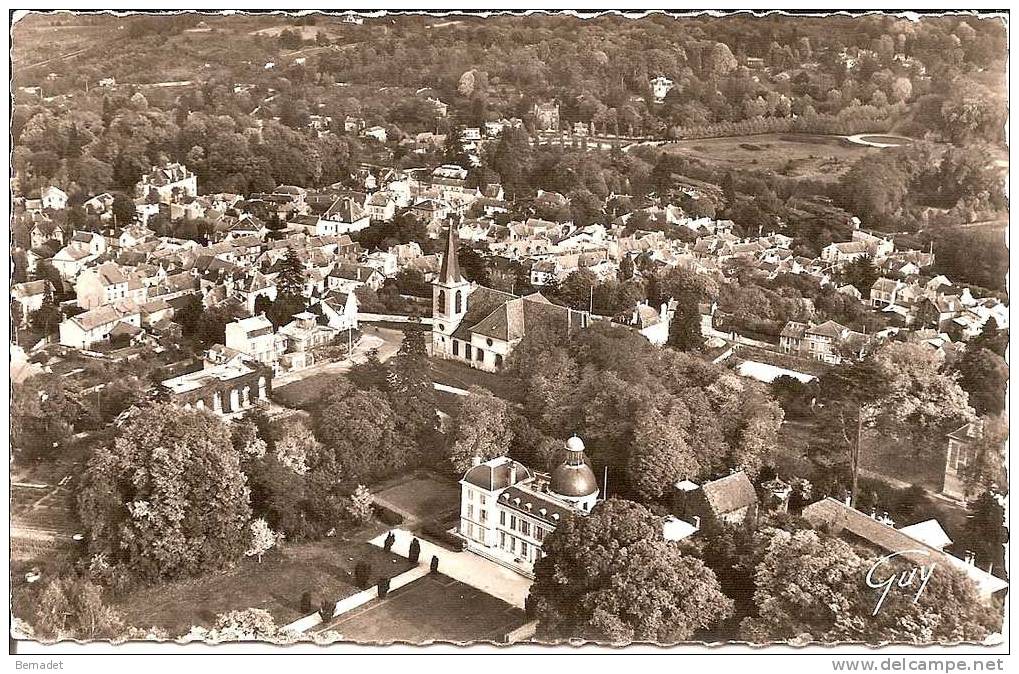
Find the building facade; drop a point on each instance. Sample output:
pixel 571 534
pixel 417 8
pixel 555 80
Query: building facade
pixel 507 510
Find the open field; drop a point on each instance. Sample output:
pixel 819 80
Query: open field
pixel 797 155
pixel 434 608
pixel 325 568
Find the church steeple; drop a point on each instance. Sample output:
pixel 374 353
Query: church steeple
pixel 449 273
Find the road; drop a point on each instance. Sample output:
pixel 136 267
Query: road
pixel 386 341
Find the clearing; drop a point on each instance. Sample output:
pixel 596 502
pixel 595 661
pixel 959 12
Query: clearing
pixel 818 157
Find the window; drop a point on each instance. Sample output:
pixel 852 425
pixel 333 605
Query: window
pixel 470 511
pixel 498 360
pixel 482 497
pixel 539 533
pixel 459 300
pixel 502 517
pixel 525 528
pixel 513 544
pixel 523 549
pixel 481 355
pixel 489 341
pixel 456 346
pixel 484 516
pixel 502 540
pixel 468 352
pixel 513 522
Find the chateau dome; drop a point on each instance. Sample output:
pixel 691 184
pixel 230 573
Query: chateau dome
pixel 573 478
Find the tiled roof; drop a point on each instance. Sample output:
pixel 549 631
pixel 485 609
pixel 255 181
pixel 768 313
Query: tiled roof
pixel 730 493
pixel 495 474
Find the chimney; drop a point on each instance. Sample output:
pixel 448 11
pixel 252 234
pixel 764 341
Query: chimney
pixel 476 461
pixel 970 558
pixel 697 521
pixel 513 472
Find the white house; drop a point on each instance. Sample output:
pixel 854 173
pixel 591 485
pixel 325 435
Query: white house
pixel 92 327
pixel 507 510
pixel 256 338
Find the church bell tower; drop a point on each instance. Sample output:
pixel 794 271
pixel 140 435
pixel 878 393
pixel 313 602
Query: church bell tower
pixel 450 293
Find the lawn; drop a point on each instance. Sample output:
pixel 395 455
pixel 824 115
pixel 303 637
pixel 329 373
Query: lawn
pixel 453 373
pixel 325 568
pixel 425 496
pixel 796 155
pixel 898 461
pixel 434 608
pixel 306 392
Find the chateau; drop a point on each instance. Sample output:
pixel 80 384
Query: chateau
pixel 480 326
pixel 507 510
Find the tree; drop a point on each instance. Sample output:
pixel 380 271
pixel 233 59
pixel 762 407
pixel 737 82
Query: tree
pixel 263 539
pixel 71 607
pixel 481 430
pixel 472 265
pixel 984 532
pixel 360 507
pixel 123 209
pixel 167 498
pixel 689 290
pixel 810 587
pixel 611 577
pixel 361 432
pixel 861 273
pixel 411 390
pixel 453 151
pixel 660 456
pixel 983 374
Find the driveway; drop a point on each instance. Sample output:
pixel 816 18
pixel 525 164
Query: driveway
pixel 467 568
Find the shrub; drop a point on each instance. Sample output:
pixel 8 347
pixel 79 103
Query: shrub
pixel 390 540
pixel 306 606
pixel 435 564
pixel 383 587
pixel 415 550
pixel 327 609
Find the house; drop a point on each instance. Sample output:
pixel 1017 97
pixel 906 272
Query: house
pixel 430 210
pixel 376 132
pixel 507 510
pixel 381 207
pixel 107 283
pixel 844 252
pixel 228 384
pixel 962 451
pixel 652 324
pixel 346 277
pixel 94 326
pixel 44 231
pixel 256 338
pixel 731 500
pixel 50 199
pixel 884 291
pixel 171 182
pixel 660 88
pixel 821 342
pixel 71 259
pixel 99 205
pixel 30 297
pixel 255 285
pixel 480 326
pixel 850 290
pixel 340 310
pixel 343 217
pixel 546 116
pixel 303 335
pixel 852 525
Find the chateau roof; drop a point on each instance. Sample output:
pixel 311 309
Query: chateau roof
pixel 730 493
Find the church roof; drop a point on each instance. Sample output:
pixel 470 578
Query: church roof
pixel 449 273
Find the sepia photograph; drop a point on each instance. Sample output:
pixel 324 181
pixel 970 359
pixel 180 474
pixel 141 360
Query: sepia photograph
pixel 524 331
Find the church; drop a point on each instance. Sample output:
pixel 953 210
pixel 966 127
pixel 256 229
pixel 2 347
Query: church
pixel 480 326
